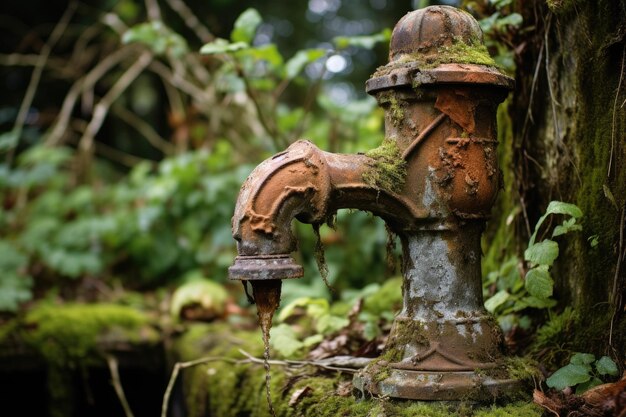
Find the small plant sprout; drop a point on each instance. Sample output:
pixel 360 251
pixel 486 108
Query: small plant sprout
pixel 583 372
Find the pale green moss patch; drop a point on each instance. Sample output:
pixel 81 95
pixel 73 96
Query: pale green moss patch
pixel 67 335
pixel 387 169
pixel 459 52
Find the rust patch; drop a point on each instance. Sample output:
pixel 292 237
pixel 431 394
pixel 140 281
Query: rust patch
pixel 459 107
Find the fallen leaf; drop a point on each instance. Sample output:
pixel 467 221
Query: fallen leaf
pixel 608 398
pixel 299 394
pixel 544 401
pixel 344 389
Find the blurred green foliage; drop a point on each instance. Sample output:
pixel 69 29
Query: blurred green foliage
pixel 79 208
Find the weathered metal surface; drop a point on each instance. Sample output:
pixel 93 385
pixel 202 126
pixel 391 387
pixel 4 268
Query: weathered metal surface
pixel 443 121
pixel 265 267
pixel 412 75
pixel 438 386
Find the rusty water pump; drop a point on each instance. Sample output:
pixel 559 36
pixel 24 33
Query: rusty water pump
pixel 440 92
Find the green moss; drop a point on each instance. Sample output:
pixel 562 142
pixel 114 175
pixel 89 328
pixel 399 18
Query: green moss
pixel 67 335
pixel 561 6
pixel 462 53
pixel 522 368
pixel 575 331
pixel 459 52
pixel 387 169
pixel 393 106
pixel 518 409
pixel 223 389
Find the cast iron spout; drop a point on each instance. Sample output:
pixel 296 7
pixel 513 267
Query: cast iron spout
pixel 440 92
pixel 310 185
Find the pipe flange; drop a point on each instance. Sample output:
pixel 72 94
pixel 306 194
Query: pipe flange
pixel 262 267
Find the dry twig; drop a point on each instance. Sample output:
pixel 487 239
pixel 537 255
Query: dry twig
pixel 117 385
pixel 36 76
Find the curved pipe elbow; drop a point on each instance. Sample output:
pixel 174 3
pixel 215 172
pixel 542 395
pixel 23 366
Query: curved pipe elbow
pixel 308 184
pixel 291 184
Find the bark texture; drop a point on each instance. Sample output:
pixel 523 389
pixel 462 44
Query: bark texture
pixel 569 123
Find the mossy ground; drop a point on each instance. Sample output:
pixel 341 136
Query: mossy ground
pixel 72 338
pixel 67 335
pixel 224 389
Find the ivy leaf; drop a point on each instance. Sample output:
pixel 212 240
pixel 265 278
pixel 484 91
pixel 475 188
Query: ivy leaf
pixel 222 46
pixel 559 207
pixel 568 376
pixel 584 359
pixel 300 60
pixel 606 366
pixel 367 42
pixel 496 300
pixel 539 282
pixel 246 26
pixel 542 253
pixel 593 382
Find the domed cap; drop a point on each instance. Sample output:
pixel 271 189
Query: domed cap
pixel 426 31
pixel 437 45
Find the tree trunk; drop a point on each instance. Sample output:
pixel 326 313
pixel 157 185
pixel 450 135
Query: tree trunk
pixel 569 122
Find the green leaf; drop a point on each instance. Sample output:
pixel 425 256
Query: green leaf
pixel 566 227
pixel 533 302
pixel 222 46
pixel 246 26
pixel 496 301
pixel 514 20
pixel 268 53
pixel 500 3
pixel 8 140
pixel 539 283
pixel 606 366
pixel 559 207
pixel 542 253
pixel 314 308
pixel 584 359
pixel 199 291
pixel 328 323
pixel 568 376
pixel 312 340
pixel 593 382
pixel 300 60
pixel 367 42
pixel 284 340
pixel 15 285
pixel 555 207
pixel 158 37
